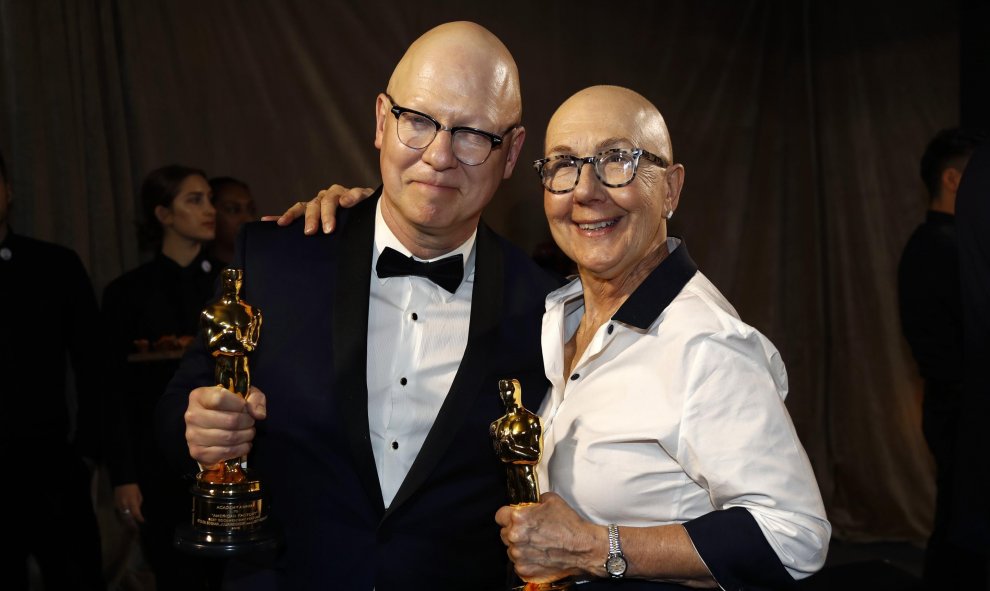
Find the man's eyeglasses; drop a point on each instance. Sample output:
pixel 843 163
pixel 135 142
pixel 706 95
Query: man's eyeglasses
pixel 614 168
pixel 417 130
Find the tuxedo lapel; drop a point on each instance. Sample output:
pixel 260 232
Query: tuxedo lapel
pixel 486 302
pixel 350 339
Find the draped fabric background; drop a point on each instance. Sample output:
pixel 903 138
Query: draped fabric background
pixel 800 125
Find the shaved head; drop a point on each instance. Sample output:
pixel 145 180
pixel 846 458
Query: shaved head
pixel 459 75
pixel 615 234
pixel 466 59
pixel 627 112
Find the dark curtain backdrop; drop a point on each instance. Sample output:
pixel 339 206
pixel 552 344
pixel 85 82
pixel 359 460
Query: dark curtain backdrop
pixel 800 125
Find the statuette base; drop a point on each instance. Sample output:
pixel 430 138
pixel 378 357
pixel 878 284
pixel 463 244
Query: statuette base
pixel 228 519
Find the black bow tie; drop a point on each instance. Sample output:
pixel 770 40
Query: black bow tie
pixel 447 272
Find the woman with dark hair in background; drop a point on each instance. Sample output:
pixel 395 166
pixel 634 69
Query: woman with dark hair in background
pixel 151 314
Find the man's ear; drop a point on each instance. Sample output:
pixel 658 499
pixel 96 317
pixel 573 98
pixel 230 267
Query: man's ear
pixel 951 177
pixel 515 148
pixel 381 112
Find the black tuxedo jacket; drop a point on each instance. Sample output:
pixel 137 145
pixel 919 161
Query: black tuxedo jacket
pixel 313 451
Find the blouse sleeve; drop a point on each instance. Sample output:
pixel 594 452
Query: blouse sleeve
pixel 737 440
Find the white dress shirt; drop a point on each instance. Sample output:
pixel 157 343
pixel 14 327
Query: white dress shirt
pixel 675 415
pixel 417 333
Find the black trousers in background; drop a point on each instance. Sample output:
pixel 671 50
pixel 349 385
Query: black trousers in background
pixel 48 514
pixel 947 565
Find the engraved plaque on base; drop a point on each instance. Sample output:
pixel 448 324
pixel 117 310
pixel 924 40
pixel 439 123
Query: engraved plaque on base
pixel 229 508
pixel 518 440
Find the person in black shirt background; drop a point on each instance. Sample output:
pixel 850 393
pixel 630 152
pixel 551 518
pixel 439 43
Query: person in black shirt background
pixel 151 314
pixel 931 319
pixel 49 442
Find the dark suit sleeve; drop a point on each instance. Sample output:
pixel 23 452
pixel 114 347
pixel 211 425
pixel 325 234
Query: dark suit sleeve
pixel 195 371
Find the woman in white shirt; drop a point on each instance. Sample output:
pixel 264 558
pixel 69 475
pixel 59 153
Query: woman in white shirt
pixel 669 457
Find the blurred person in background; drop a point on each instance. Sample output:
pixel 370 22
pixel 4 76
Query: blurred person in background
pixel 150 315
pixel 235 206
pixel 50 442
pixel 932 322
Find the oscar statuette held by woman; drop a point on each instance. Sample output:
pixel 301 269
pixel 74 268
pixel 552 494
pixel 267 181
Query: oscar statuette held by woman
pixel 518 440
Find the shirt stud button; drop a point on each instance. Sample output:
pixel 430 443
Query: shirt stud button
pixel 403 381
pixel 415 316
pixel 575 376
pixel 395 445
pixel 611 327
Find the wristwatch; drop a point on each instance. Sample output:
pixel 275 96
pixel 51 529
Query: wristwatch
pixel 615 564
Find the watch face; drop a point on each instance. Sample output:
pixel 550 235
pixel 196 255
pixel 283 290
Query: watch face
pixel 616 565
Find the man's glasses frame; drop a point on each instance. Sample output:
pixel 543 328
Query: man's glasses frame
pixel 495 139
pixel 596 163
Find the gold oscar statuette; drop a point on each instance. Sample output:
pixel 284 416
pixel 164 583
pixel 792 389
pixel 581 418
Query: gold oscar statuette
pixel 229 511
pixel 518 439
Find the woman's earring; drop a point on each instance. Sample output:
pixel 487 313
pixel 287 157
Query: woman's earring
pixel 670 214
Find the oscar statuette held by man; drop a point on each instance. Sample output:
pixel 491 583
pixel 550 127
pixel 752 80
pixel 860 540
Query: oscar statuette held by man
pixel 229 511
pixel 518 440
